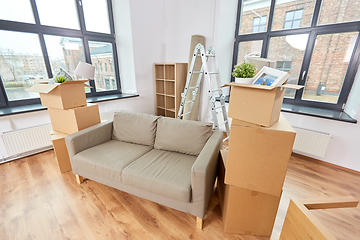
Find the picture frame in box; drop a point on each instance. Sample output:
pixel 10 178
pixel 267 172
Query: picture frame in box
pixel 270 77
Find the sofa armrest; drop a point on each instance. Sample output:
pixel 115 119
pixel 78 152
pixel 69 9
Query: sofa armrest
pixel 203 174
pixel 88 138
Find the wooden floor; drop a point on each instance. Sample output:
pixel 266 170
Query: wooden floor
pixel 37 202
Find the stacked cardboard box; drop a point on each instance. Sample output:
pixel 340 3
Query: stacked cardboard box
pixel 252 171
pixel 69 113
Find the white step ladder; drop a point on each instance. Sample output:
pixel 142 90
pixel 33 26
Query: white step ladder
pixel 199 51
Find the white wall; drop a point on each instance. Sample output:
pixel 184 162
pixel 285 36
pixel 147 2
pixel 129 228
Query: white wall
pixel 343 149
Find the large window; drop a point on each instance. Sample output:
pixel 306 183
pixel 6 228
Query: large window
pixel 42 37
pixel 315 41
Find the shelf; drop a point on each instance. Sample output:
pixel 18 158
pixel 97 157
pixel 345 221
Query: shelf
pixel 169 114
pixel 169 102
pixel 170 72
pixel 160 112
pixel 160 100
pixel 159 71
pixel 169 83
pixel 170 88
pixel 160 86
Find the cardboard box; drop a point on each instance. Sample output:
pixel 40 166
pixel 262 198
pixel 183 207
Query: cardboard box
pixel 61 152
pixel 245 211
pixel 66 95
pixel 257 104
pixel 75 119
pixel 258 156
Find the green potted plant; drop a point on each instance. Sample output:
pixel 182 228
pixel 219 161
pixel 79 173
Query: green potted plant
pixel 244 72
pixel 60 79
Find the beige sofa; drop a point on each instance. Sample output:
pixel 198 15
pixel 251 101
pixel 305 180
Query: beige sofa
pixel 169 161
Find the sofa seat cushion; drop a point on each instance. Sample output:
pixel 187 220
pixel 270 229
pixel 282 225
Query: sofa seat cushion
pixel 182 136
pixel 109 159
pixel 162 172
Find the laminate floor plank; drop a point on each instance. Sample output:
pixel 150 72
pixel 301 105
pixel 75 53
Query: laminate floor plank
pixel 38 202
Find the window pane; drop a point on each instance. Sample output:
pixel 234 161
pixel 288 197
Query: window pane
pixel 101 54
pixel 339 11
pixel 20 64
pixel 289 16
pixel 65 53
pixel 296 24
pixel 287 25
pixel 293 10
pixel 251 12
pixel 58 13
pixel 263 20
pixel 288 52
pixel 249 48
pixel 11 11
pixel 329 62
pixel 262 28
pixel 298 14
pixel 96 15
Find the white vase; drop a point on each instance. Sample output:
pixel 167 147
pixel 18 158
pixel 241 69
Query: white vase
pixel 244 80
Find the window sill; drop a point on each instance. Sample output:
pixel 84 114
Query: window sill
pixel 39 107
pixel 317 112
pixel 313 112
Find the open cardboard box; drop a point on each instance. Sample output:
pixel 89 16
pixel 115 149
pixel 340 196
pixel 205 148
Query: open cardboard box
pixel 66 95
pixel 258 156
pixel 257 104
pixel 245 211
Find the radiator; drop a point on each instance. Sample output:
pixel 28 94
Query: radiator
pixel 22 141
pixel 311 143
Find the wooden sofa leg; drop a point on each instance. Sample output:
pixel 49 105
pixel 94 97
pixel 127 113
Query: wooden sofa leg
pixel 79 179
pixel 199 223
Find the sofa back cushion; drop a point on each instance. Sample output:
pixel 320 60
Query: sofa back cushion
pixel 182 136
pixel 134 127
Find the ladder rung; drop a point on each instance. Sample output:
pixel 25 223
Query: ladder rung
pixel 192 87
pixel 223 122
pixel 185 114
pixel 218 107
pixel 189 101
pixel 207 55
pixel 213 72
pixel 225 139
pixel 197 72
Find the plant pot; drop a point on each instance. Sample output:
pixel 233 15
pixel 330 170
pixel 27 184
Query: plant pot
pixel 244 80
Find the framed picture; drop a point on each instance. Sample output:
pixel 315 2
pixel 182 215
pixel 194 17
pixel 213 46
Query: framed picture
pixel 270 77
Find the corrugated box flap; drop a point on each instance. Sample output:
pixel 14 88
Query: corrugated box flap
pixel 292 86
pixel 42 88
pixel 257 86
pixel 75 82
pixel 281 125
pixel 46 88
pixel 234 84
